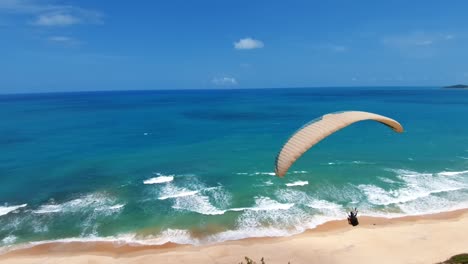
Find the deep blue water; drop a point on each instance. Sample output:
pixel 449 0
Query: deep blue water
pixel 73 165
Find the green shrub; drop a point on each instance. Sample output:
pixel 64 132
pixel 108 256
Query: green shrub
pixel 250 261
pixel 457 259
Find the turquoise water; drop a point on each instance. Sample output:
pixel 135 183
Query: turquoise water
pixel 73 166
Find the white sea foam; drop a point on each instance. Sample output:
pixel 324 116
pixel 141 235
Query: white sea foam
pixel 291 210
pixel 290 195
pixel 299 172
pixel 4 210
pixel 264 173
pixel 160 179
pixel 248 233
pixel 9 239
pixel 323 204
pixel 387 180
pixel 204 201
pixel 197 203
pixel 268 182
pixel 49 208
pixel 199 199
pixel 362 162
pixel 324 208
pixel 276 222
pixel 268 204
pixel 90 202
pixel 452 173
pixel 297 183
pixel 178 236
pixel 116 207
pixel 436 204
pixel 256 173
pixel 344 162
pixel 182 193
pixel 265 204
pixel 416 186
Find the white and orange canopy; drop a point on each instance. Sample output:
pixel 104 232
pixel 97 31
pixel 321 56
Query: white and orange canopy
pixel 320 128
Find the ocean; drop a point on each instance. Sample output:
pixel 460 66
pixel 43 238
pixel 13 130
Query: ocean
pixel 197 166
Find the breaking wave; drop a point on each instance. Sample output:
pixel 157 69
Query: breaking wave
pixel 297 183
pixel 416 193
pixel 94 201
pixel 4 210
pixel 159 179
pixel 274 211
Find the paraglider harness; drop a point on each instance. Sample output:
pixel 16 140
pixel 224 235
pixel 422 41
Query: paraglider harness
pixel 352 217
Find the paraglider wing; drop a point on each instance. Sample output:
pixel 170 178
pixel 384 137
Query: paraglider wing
pixel 318 129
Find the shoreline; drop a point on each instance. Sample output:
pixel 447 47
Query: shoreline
pixel 330 230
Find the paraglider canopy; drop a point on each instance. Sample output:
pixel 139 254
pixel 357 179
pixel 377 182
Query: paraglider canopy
pixel 320 128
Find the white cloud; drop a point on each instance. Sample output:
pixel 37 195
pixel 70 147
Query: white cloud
pixel 48 13
pixel 56 20
pixel 248 43
pixel 224 81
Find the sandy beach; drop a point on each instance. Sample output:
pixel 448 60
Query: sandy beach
pixel 413 239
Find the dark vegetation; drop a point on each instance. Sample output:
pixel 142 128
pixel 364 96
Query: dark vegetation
pixel 457 259
pixel 250 261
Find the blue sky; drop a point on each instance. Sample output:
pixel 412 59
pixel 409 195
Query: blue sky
pixel 55 45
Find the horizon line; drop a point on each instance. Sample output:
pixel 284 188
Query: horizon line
pixel 221 89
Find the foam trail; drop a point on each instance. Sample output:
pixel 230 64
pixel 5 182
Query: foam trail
pixel 9 239
pixel 265 204
pixel 4 210
pixel 297 183
pixel 264 173
pixel 160 179
pixel 268 182
pixel 48 208
pixel 299 172
pixel 177 195
pixel 198 204
pixel 116 207
pixel 89 202
pixel 452 173
pixel 416 186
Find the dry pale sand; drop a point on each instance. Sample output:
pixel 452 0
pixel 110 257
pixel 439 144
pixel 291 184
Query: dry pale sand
pixel 423 239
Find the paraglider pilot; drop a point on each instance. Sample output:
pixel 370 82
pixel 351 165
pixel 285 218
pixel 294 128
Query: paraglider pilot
pixel 352 217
